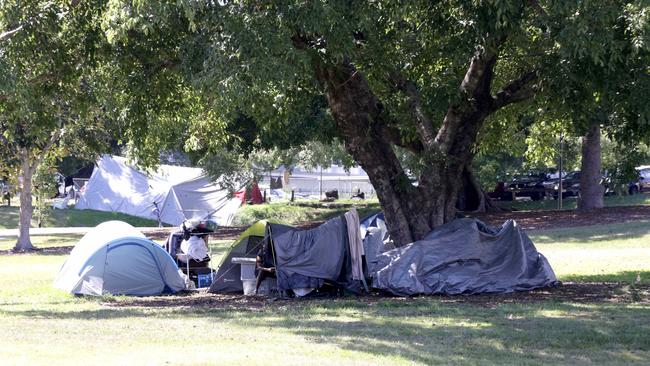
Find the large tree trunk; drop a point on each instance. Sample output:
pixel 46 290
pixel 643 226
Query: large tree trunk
pixel 411 211
pixel 24 242
pixel 369 134
pixel 591 191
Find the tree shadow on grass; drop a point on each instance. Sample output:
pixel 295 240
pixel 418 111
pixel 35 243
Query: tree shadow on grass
pixel 10 216
pixel 430 332
pixel 521 335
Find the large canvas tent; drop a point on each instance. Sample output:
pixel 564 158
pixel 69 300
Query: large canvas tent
pixel 178 192
pixel 115 258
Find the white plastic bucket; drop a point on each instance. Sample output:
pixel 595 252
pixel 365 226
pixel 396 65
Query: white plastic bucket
pixel 249 287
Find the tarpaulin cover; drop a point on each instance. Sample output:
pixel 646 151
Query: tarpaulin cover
pixel 305 258
pixel 463 257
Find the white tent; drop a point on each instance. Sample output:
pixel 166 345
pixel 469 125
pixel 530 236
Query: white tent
pixel 115 258
pixel 196 198
pixel 179 192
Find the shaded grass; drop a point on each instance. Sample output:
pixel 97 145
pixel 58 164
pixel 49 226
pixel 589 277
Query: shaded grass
pixel 60 240
pixel 571 202
pixel 335 331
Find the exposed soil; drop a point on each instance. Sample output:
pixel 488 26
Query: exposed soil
pixel 567 292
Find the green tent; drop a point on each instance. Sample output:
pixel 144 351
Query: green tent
pixel 228 277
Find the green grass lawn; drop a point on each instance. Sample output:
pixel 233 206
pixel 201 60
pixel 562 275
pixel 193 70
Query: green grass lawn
pixel 282 212
pixel 570 202
pixel 617 252
pixel 301 211
pixel 69 218
pixel 41 325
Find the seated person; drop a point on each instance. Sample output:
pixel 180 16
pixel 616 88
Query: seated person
pixel 193 248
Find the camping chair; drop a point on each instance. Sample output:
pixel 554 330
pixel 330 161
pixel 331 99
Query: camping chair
pixel 199 271
pixel 61 204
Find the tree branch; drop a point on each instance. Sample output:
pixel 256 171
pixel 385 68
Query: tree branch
pixel 8 34
pixel 54 138
pixel 5 141
pixel 394 137
pixel 516 91
pixel 464 118
pixel 164 64
pixel 421 120
pixel 478 77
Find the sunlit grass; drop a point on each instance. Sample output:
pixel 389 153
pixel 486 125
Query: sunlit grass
pixel 617 252
pixel 41 325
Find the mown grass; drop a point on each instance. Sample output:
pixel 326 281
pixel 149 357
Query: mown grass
pixel 9 216
pixel 302 211
pixel 41 325
pixel 618 252
pixel 571 202
pixel 43 241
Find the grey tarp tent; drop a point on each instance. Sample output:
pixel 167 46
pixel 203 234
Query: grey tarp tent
pixel 115 258
pixel 308 258
pixel 462 257
pixel 304 259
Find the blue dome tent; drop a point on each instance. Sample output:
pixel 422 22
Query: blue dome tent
pixel 115 258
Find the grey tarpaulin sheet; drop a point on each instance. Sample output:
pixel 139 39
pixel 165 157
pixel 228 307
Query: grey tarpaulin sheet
pixel 463 257
pixel 305 258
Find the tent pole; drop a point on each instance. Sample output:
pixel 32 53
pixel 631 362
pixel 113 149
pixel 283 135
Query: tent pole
pixel 320 184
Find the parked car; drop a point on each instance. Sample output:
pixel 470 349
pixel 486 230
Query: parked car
pixel 528 185
pixel 643 183
pixel 570 185
pixel 639 184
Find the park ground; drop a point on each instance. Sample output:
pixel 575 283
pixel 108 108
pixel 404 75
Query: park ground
pixel 599 315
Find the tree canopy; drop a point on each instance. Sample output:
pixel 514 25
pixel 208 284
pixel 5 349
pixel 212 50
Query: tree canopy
pixel 432 79
pixel 47 108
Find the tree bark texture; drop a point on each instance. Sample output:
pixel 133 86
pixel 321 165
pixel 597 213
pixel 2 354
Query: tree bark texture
pixel 591 191
pixel 24 242
pixel 410 211
pixel 359 117
pixel 370 135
